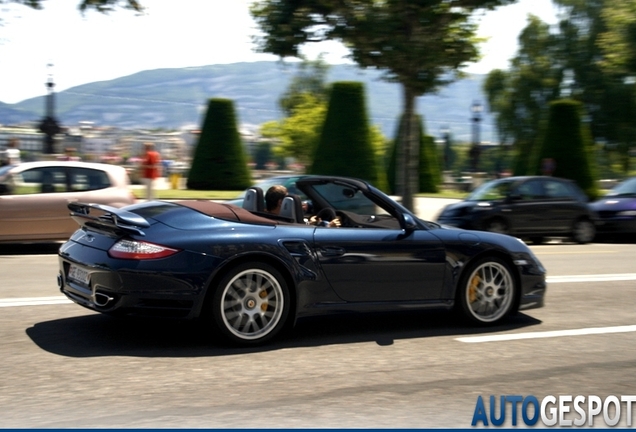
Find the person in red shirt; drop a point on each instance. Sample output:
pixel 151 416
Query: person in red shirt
pixel 150 169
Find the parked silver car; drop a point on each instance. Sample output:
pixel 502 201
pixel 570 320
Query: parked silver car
pixel 34 197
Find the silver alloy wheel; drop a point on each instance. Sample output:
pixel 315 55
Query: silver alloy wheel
pixel 497 226
pixel 252 304
pixel 583 231
pixel 489 292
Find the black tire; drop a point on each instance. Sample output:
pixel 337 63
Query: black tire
pixel 537 240
pixel 583 231
pixel 487 291
pixel 497 225
pixel 251 304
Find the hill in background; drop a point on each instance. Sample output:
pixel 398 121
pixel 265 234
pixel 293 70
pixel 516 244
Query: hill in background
pixel 176 98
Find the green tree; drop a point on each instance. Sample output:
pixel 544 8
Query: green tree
pixel 219 161
pixel 519 97
pixel 345 146
pixel 568 141
pixel 421 45
pixel 297 135
pixel 429 171
pixel 430 174
pixel 304 105
pixel 617 42
pixel 310 79
pixel 103 6
pixel 262 155
pixel 567 61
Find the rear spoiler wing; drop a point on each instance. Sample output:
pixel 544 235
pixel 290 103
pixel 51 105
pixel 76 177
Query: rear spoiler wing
pixel 112 219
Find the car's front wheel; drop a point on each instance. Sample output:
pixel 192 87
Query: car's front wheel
pixel 251 304
pixel 497 225
pixel 583 231
pixel 487 291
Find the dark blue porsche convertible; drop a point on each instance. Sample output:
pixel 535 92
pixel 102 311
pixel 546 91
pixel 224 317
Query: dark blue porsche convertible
pixel 248 274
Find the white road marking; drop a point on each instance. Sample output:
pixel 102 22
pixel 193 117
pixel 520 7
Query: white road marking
pixel 592 278
pixel 34 301
pixel 548 334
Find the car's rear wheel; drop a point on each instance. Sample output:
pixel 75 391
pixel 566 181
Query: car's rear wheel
pixel 497 225
pixel 487 291
pixel 251 304
pixel 583 231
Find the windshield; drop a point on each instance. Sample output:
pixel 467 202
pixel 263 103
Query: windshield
pixel 5 169
pixel 626 188
pixel 342 197
pixel 491 191
pixel 288 182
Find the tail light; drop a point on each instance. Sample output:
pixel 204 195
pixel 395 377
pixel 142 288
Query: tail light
pixel 139 250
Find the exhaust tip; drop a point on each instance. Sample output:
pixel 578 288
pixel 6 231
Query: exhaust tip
pixel 101 299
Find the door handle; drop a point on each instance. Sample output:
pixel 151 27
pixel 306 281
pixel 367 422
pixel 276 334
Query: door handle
pixel 332 251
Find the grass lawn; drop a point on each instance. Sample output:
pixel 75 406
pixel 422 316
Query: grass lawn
pixel 175 194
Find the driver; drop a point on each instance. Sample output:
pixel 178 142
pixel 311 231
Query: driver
pixel 326 218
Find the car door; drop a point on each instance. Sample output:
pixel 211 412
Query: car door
pixel 564 206
pixel 380 264
pixel 36 208
pixel 528 206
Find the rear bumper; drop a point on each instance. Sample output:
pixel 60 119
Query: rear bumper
pixel 616 226
pixel 117 287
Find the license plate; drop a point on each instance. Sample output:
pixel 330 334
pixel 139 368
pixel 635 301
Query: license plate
pixel 78 274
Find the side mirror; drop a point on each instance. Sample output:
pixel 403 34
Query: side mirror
pixel 349 193
pixel 409 223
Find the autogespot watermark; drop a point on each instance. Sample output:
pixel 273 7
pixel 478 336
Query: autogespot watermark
pixel 562 410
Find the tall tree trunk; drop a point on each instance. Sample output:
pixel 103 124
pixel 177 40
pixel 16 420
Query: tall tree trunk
pixel 408 157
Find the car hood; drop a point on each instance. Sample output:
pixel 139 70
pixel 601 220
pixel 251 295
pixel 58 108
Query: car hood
pixel 450 234
pixel 614 203
pixel 461 207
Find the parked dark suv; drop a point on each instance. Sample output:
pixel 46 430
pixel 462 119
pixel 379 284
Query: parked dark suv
pixel 532 207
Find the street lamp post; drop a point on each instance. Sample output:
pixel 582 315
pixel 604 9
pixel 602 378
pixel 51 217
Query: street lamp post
pixel 445 132
pixel 49 125
pixel 475 150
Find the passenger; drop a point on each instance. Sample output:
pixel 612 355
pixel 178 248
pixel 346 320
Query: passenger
pixel 11 154
pixel 326 218
pixel 274 198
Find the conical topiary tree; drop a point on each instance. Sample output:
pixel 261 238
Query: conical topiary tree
pixel 429 172
pixel 344 146
pixel 219 161
pixel 567 141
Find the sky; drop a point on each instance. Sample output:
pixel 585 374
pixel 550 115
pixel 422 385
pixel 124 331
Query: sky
pixel 77 49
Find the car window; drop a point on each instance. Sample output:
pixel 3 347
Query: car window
pixel 344 198
pixel 530 190
pixel 491 191
pixel 558 190
pixel 39 180
pixel 85 179
pixel 627 188
pixel 6 181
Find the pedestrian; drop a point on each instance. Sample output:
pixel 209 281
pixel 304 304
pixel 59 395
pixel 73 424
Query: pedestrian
pixel 11 154
pixel 548 165
pixel 151 166
pixel 69 155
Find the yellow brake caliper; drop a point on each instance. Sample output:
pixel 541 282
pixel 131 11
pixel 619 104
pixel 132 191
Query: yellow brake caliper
pixel 472 289
pixel 263 295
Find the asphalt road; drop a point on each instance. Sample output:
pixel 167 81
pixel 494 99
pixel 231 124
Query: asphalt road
pixel 63 366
